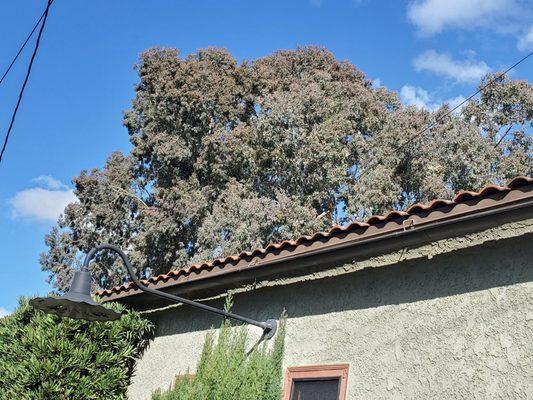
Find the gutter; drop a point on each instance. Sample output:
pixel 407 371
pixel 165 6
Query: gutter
pixel 398 233
pixel 297 261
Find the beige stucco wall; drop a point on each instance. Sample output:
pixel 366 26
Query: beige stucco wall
pixel 452 319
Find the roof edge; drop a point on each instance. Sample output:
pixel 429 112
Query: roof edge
pixel 375 227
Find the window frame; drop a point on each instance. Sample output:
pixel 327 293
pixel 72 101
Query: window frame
pixel 312 372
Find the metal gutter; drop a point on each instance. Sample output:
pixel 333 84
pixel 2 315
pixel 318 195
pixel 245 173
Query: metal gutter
pixel 396 233
pixel 228 274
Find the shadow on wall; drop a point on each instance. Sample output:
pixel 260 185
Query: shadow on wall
pixel 494 264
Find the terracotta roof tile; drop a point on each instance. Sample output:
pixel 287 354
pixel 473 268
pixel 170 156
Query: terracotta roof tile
pixel 461 197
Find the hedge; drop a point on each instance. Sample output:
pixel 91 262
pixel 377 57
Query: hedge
pixel 46 357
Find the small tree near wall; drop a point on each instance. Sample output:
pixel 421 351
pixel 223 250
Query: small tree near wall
pixel 228 370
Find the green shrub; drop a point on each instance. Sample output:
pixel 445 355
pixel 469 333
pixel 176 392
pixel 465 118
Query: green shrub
pixel 46 357
pixel 227 371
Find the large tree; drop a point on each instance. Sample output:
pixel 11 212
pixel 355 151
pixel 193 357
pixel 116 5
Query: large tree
pixel 229 156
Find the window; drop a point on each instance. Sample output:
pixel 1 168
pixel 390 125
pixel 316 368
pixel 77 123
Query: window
pixel 317 382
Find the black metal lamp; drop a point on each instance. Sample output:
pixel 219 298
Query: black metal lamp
pixel 77 303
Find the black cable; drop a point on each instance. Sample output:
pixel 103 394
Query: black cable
pixel 23 45
pixel 438 120
pixel 498 77
pixel 25 79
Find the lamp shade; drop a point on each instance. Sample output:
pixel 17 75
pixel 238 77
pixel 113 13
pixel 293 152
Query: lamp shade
pixel 77 303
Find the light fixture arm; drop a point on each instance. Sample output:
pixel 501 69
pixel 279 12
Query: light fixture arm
pixel 269 327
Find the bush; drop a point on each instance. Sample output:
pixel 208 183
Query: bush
pixel 46 357
pixel 226 371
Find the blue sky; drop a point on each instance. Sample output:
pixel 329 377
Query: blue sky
pixel 428 50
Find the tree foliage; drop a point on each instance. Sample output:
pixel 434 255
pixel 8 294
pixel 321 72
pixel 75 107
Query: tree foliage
pixel 45 357
pixel 230 156
pixel 228 371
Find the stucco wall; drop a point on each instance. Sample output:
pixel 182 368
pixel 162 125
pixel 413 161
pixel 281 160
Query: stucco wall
pixel 452 323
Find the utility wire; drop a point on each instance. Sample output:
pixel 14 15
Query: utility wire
pixel 28 72
pixel 23 45
pixel 438 120
pixel 497 78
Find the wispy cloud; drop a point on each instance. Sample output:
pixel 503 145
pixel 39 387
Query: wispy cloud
pixel 433 16
pixel 420 98
pixel 525 42
pixel 443 64
pixel 4 312
pixel 45 202
pixel 49 182
pixel 415 96
pixel 507 17
pixel 455 102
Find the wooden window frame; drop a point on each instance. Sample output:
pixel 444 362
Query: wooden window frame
pixel 317 372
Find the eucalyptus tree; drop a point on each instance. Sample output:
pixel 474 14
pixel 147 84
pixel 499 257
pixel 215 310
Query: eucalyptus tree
pixel 230 156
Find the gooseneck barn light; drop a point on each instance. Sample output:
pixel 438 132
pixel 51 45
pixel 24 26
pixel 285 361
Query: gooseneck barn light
pixel 77 303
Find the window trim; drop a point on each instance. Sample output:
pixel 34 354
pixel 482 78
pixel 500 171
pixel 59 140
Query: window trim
pixel 317 372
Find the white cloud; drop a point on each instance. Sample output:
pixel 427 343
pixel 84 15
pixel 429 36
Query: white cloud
pixel 42 203
pixel 444 64
pixel 525 42
pixel 455 101
pixel 415 96
pixel 433 16
pixel 4 312
pixel 421 99
pixel 49 182
pixel 377 83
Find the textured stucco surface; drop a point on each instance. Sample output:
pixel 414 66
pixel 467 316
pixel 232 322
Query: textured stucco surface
pixel 451 319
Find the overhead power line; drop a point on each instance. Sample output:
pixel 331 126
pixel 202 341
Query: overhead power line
pixel 26 78
pixel 483 87
pixel 24 45
pixel 447 114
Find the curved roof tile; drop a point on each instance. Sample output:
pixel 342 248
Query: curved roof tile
pixel 460 197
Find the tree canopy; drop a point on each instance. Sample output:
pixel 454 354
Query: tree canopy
pixel 230 156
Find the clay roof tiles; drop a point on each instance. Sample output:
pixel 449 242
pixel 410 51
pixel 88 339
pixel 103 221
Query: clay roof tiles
pixel 461 197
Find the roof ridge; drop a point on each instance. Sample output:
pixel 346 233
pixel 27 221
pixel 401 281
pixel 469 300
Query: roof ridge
pixel 461 197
